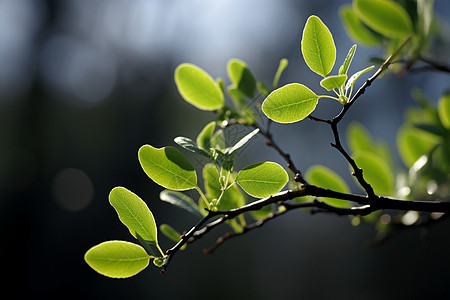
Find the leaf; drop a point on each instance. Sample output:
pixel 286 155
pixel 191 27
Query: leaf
pixel 376 172
pixel 384 16
pixel 181 200
pixel 198 88
pixel 282 65
pixel 262 89
pixel 190 145
pixel 354 77
pixel 204 137
pixel 232 197
pixel 348 60
pixel 245 111
pixel 358 138
pixel 444 110
pixel 318 47
pixel 134 213
pixel 117 259
pixel 357 31
pixel 262 179
pixel 290 103
pixel 241 76
pixel 331 82
pixel 242 142
pixel 168 167
pixel 412 143
pixel 171 233
pixel 324 177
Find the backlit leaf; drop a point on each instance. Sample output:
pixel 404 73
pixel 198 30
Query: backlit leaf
pixel 190 145
pixel 262 179
pixel 354 77
pixel 290 103
pixel 168 167
pixel 324 177
pixel 243 141
pixel 444 110
pixel 204 137
pixel 117 259
pixel 384 16
pixel 332 82
pixel 348 60
pixel 318 47
pixel 412 143
pixel 283 64
pixel 181 200
pixel 198 88
pixel 241 76
pixel 376 172
pixel 356 29
pixel 134 213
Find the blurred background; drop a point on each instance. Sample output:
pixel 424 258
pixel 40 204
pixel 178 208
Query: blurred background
pixel 84 84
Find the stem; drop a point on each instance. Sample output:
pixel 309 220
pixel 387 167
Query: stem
pixel 203 197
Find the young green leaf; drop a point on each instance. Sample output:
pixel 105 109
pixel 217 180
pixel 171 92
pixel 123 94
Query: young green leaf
pixel 204 137
pixel 348 60
pixel 290 103
pixel 134 213
pixel 242 141
pixel 262 179
pixel 241 76
pixel 190 145
pixel 412 143
pixel 168 167
pixel 181 200
pixel 376 172
pixel 198 88
pixel 384 16
pixel 318 47
pixel 354 77
pixel 444 110
pixel 326 178
pixel 282 65
pixel 359 32
pixel 358 138
pixel 117 259
pixel 331 82
pixel 171 233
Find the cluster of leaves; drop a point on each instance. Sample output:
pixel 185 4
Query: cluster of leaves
pixel 423 142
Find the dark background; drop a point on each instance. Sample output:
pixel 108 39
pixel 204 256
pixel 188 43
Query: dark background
pixel 84 84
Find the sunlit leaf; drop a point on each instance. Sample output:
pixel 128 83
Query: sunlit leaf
pixel 283 64
pixel 134 213
pixel 318 47
pixel 204 137
pixel 384 16
pixel 356 29
pixel 198 88
pixel 354 77
pixel 181 200
pixel 376 172
pixel 262 179
pixel 348 60
pixel 332 82
pixel 412 143
pixel 168 167
pixel 190 145
pixel 241 76
pixel 117 259
pixel 243 141
pixel 444 110
pixel 324 177
pixel 290 103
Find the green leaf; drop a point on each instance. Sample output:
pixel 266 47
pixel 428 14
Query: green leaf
pixel 232 197
pixel 262 179
pixel 356 29
pixel 444 110
pixel 384 16
pixel 134 213
pixel 168 167
pixel 282 65
pixel 242 142
pixel 376 172
pixel 358 138
pixel 171 233
pixel 117 259
pixel 181 200
pixel 331 82
pixel 190 145
pixel 262 88
pixel 244 110
pixel 412 143
pixel 324 177
pixel 290 103
pixel 354 77
pixel 318 47
pixel 198 88
pixel 348 60
pixel 262 213
pixel 241 76
pixel 204 137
